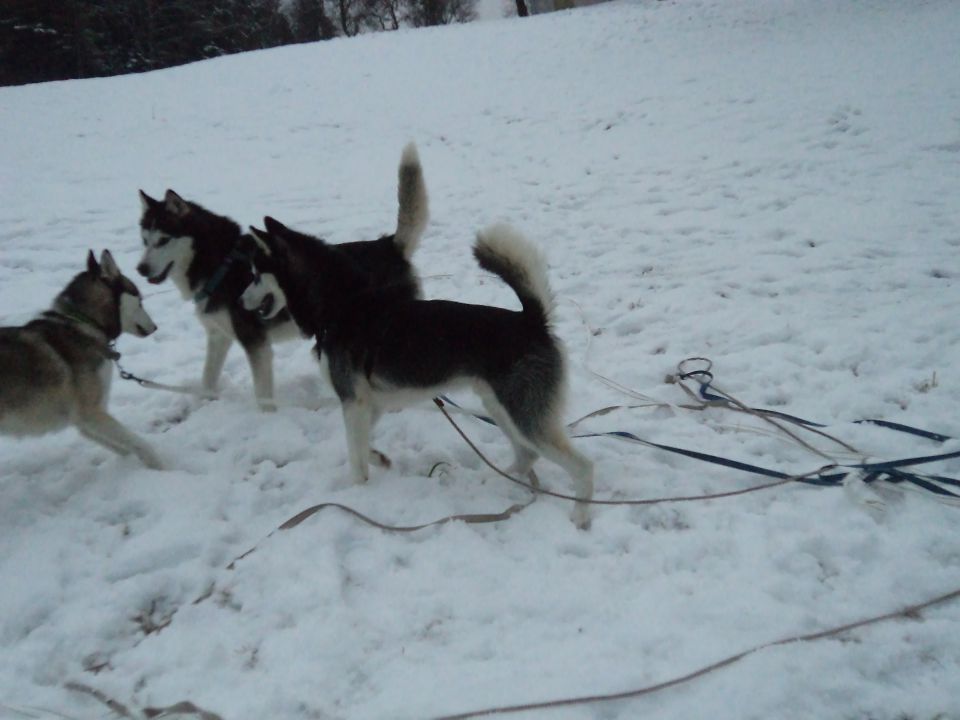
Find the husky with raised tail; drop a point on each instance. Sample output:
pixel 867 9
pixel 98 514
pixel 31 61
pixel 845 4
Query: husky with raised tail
pixel 205 255
pixel 55 371
pixel 384 352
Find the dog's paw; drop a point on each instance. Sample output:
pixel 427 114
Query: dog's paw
pixel 151 460
pixel 208 391
pixel 524 474
pixel 203 392
pixel 581 516
pixel 267 405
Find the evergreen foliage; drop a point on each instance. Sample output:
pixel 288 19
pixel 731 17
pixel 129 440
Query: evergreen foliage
pixel 65 39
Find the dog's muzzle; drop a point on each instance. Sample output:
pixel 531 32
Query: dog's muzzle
pixel 266 305
pixel 144 270
pixel 258 299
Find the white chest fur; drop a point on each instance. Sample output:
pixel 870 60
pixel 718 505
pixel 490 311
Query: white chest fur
pixel 216 321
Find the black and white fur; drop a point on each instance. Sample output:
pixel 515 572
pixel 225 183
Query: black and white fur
pixel 55 371
pixel 190 245
pixel 385 352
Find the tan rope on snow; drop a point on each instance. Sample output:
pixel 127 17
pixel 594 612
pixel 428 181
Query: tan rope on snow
pixel 647 501
pixel 698 402
pixel 118 708
pixel 761 414
pixel 534 488
pixel 910 612
pixel 469 518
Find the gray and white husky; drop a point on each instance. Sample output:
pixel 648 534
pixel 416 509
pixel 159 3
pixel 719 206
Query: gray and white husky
pixel 385 351
pixel 55 371
pixel 204 254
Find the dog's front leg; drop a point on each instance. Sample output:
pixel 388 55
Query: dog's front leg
pixel 260 358
pixel 357 417
pixel 217 346
pixel 104 429
pixel 376 457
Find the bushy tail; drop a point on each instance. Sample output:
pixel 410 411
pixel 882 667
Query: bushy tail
pixel 502 250
pixel 412 196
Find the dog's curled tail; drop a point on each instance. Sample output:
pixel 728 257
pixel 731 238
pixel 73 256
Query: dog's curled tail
pixel 414 208
pixel 505 252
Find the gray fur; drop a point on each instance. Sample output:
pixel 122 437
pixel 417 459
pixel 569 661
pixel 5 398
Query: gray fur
pixel 414 211
pixel 55 371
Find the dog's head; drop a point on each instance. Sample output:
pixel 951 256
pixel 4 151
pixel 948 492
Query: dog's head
pixel 167 242
pixel 269 252
pixel 108 298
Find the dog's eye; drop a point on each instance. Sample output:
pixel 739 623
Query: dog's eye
pixel 162 240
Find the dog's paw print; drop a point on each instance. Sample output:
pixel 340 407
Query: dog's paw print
pixel 842 124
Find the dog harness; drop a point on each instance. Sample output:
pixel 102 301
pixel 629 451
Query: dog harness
pixel 210 286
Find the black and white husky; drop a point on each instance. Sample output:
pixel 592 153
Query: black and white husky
pixel 203 254
pixel 55 371
pixel 384 351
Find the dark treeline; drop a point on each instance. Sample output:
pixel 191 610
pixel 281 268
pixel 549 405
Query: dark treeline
pixel 65 39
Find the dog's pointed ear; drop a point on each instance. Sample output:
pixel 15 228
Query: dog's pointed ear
pixel 146 202
pixel 92 266
pixel 262 239
pixel 108 268
pixel 274 226
pixel 175 204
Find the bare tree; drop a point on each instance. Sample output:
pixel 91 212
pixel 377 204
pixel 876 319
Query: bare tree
pixel 383 14
pixel 309 21
pixel 425 13
pixel 349 13
pixel 59 39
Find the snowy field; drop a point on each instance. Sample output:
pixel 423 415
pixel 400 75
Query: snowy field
pixel 772 184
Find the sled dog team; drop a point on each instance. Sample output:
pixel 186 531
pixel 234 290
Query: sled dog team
pixel 380 344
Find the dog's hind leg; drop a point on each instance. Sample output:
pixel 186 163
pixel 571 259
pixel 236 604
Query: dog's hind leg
pixel 554 444
pixel 530 397
pixel 524 453
pixel 217 346
pixel 105 430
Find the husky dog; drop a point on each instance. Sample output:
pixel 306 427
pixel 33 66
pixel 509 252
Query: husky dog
pixel 204 254
pixel 383 351
pixel 55 370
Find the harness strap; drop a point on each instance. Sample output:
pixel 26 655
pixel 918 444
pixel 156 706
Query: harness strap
pixel 705 378
pixel 870 472
pixel 928 434
pixel 213 282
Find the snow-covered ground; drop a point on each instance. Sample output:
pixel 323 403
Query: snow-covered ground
pixel 770 183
